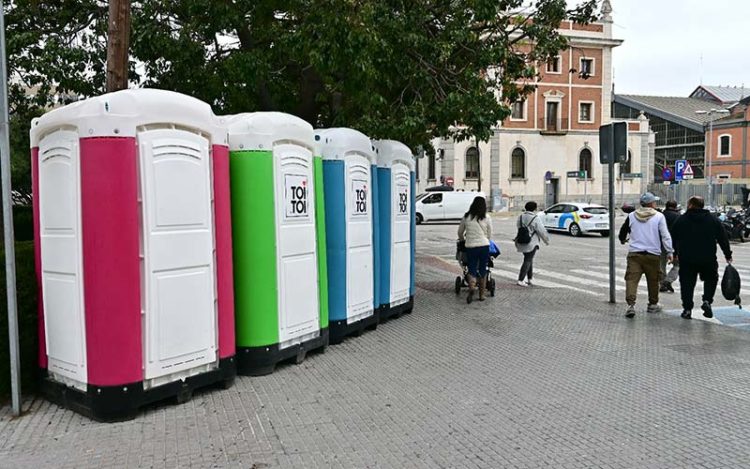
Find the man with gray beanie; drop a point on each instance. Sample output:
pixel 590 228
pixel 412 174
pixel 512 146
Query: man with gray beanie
pixel 648 236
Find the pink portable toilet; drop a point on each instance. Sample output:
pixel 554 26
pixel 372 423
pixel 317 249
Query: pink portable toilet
pixel 133 251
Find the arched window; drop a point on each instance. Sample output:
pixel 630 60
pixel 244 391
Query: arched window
pixel 472 163
pixel 725 145
pixel 584 161
pixel 518 164
pixel 627 167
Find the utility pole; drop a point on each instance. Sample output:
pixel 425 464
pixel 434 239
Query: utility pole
pixel 10 249
pixel 118 41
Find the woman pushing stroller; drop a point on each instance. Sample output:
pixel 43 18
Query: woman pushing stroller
pixel 475 231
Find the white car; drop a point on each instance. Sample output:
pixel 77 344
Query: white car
pixel 577 218
pixel 436 206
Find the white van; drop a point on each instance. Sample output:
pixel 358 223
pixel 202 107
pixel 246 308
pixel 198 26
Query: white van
pixel 433 206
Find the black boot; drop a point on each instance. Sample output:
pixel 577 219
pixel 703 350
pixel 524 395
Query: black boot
pixel 707 311
pixel 687 314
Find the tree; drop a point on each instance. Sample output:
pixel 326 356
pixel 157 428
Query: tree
pixel 56 51
pixel 407 70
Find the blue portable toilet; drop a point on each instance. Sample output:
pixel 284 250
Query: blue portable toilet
pixel 397 226
pixel 351 233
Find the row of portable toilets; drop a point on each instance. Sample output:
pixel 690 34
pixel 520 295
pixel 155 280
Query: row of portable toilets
pixel 175 248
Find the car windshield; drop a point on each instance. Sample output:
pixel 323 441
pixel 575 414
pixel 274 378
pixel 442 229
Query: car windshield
pixel 422 196
pixel 595 210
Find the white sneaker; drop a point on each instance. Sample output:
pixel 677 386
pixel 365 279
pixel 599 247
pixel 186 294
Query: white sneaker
pixel 657 308
pixel 521 283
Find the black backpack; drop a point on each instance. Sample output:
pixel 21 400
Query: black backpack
pixel 730 285
pixel 524 235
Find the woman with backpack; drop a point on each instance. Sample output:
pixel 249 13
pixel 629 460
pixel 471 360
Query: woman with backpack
pixel 530 231
pixel 476 230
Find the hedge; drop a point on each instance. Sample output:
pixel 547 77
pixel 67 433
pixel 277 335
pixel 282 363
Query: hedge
pixel 27 321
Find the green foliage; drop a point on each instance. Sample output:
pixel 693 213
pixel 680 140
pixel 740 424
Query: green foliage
pixel 409 70
pixel 27 321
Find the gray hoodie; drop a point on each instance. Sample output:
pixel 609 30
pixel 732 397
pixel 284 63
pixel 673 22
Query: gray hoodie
pixel 536 230
pixel 649 232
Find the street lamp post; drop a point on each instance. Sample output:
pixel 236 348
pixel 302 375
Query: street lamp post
pixel 708 155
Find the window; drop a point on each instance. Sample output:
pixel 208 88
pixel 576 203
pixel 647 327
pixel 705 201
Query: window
pixel 518 164
pixel 626 167
pixel 596 210
pixel 431 167
pixel 553 65
pixel 570 209
pixel 518 110
pixel 433 199
pixel 725 145
pixel 586 112
pixel 584 162
pixel 472 163
pixel 587 67
pixel 556 209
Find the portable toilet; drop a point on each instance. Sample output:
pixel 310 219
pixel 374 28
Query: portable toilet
pixel 279 240
pixel 348 168
pixel 396 182
pixel 133 251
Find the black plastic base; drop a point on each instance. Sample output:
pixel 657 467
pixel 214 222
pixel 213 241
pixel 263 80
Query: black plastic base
pixel 123 402
pixel 259 361
pixel 341 330
pixel 387 312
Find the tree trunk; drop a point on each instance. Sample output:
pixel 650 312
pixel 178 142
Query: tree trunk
pixel 118 40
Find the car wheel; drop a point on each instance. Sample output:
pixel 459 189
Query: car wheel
pixel 605 234
pixel 574 230
pixel 420 219
pixel 459 281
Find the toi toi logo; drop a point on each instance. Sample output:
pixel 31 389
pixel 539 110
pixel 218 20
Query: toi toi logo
pixel 403 202
pixel 360 200
pixel 299 199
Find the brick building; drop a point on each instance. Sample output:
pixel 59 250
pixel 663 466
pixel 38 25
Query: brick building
pixel 553 131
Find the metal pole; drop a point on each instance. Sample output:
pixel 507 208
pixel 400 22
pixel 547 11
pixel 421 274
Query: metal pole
pixel 10 252
pixel 611 165
pixel 710 155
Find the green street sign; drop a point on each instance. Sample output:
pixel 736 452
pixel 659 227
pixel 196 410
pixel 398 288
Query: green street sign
pixel 632 175
pixel 576 174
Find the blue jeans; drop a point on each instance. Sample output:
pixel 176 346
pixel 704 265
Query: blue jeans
pixel 476 261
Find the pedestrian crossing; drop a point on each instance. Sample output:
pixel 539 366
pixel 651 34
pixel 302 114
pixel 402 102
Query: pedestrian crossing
pixel 593 279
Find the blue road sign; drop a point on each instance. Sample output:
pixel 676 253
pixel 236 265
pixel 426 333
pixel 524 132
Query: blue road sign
pixel 666 174
pixel 548 175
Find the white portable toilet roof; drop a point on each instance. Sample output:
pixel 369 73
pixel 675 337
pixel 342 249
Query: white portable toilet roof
pixel 392 151
pixel 119 114
pixel 261 130
pixel 337 143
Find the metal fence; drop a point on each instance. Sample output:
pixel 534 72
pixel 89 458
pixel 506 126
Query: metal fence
pixel 723 194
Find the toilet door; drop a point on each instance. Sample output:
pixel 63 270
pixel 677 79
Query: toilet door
pixel 400 233
pixel 296 248
pixel 61 248
pixel 359 260
pixel 179 291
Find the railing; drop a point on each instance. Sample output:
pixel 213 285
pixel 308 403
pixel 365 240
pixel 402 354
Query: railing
pixel 553 126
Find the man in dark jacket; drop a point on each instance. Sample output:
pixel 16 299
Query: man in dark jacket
pixel 695 235
pixel 671 214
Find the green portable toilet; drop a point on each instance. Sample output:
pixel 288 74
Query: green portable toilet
pixel 278 224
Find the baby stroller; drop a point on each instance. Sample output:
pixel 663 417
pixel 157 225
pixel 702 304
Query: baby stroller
pixel 461 281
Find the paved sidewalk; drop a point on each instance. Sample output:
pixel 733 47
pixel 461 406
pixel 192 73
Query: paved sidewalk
pixel 525 379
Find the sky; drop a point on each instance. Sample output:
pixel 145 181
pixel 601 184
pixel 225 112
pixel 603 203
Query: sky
pixel 664 41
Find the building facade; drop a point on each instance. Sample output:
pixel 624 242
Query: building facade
pixel 553 131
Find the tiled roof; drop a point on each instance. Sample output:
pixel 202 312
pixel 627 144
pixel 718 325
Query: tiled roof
pixel 673 108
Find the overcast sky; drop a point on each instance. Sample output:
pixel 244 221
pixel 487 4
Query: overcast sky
pixel 664 40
